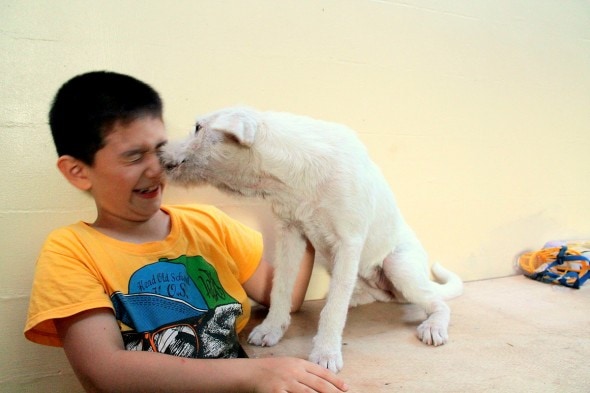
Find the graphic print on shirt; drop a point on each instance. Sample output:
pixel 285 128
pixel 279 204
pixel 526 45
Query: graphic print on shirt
pixel 178 306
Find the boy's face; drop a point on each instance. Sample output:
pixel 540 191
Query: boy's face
pixel 126 179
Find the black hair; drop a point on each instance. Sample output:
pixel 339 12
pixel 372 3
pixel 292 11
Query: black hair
pixel 86 108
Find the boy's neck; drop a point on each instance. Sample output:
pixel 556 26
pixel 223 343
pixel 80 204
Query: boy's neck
pixel 155 229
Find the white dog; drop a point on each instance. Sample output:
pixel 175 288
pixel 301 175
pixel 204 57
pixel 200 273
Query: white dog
pixel 323 187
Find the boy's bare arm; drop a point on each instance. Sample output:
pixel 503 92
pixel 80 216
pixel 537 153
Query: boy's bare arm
pixel 258 287
pixel 93 344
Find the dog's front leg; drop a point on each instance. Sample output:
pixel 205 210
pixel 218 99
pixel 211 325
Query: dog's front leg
pixel 327 348
pixel 289 253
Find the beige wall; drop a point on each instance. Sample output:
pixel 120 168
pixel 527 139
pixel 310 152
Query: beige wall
pixel 477 111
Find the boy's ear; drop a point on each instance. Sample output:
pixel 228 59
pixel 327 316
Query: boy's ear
pixel 75 171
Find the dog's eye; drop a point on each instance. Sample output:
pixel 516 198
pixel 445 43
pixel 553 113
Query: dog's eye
pixel 197 128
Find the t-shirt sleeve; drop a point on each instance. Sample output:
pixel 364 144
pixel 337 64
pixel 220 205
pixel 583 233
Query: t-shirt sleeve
pixel 63 286
pixel 244 244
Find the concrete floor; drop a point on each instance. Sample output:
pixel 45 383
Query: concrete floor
pixel 510 334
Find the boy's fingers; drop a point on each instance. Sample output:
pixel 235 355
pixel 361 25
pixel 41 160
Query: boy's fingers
pixel 323 378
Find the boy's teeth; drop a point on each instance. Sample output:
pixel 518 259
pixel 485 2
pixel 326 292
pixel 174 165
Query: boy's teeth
pixel 146 190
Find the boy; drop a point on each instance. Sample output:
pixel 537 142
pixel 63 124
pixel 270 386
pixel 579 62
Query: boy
pixel 145 281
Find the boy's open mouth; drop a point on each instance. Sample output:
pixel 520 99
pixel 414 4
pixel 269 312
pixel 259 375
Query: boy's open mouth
pixel 149 190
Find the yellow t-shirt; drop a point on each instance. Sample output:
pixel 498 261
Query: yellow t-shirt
pixel 182 295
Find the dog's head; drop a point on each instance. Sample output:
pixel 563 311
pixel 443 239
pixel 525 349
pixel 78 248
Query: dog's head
pixel 220 151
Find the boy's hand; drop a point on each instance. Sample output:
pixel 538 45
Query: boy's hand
pixel 294 375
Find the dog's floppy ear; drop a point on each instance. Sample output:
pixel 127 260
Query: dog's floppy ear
pixel 240 126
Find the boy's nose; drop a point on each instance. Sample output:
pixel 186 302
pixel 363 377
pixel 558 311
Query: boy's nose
pixel 155 167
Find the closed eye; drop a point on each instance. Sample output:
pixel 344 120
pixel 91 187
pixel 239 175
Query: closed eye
pixel 137 155
pixel 133 156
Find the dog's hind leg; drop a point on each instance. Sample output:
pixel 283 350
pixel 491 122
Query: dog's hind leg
pixel 327 348
pixel 406 269
pixel 289 251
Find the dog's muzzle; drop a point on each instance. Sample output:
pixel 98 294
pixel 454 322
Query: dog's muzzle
pixel 170 165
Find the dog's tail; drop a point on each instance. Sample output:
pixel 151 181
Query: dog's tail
pixel 447 284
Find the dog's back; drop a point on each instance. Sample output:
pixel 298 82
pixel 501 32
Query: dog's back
pixel 333 185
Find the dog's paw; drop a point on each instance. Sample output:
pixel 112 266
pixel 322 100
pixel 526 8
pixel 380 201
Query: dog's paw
pixel 330 360
pixel 432 334
pixel 265 335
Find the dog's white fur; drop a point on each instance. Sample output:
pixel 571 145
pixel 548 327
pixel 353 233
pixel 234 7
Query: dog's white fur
pixel 322 186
